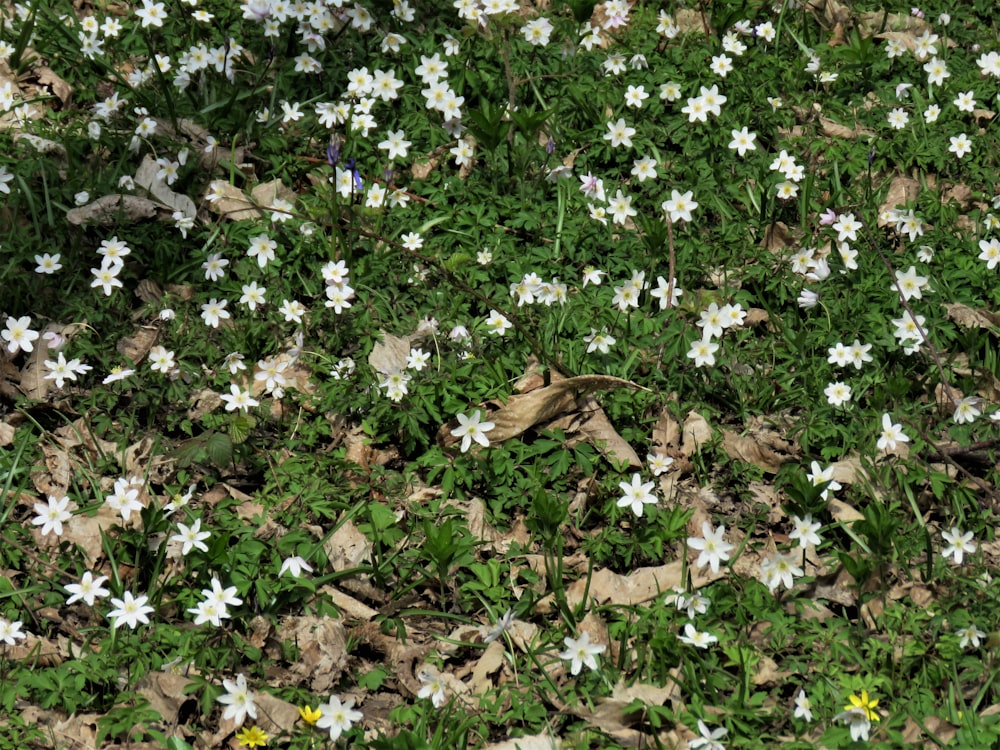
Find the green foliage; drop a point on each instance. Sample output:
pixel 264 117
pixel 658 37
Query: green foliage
pixel 312 432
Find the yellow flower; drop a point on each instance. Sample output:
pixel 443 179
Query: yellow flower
pixel 309 715
pixel 866 704
pixel 252 737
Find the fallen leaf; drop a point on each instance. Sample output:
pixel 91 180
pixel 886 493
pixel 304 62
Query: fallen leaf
pixel 113 209
pixel 389 354
pixel 970 317
pixel 490 662
pixel 145 177
pixel 763 448
pixel 642 585
pixel 524 411
pixel 322 643
pixel 231 203
pixel 902 191
pixel 834 129
pixel 696 433
pixel 532 742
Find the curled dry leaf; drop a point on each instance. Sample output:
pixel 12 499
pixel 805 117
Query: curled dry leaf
pixel 231 204
pixel 969 317
pixel 834 129
pixel 112 209
pixel 524 411
pixel 145 177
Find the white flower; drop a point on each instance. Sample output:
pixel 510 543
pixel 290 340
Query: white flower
pixel 619 133
pixel 805 531
pixel 959 543
pixel 659 463
pixel 151 13
pixel 238 700
pixel 818 476
pixel 599 341
pixel 89 589
pixel 18 335
pixel 693 637
pixel 238 399
pixel 337 717
pixel 743 141
pixel 129 611
pixel 580 652
pixel 967 410
pixel 703 352
pixel 971 636
pixel 51 516
pixel 803 709
pixel 680 206
pixel 431 687
pixel 713 548
pixel 10 632
pixel 891 434
pixel 191 537
pixel 837 394
pixel 636 495
pixel 294 566
pixel 470 428
pixel 497 323
pixel 960 145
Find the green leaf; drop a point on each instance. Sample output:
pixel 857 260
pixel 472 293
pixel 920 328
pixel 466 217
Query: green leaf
pixel 219 448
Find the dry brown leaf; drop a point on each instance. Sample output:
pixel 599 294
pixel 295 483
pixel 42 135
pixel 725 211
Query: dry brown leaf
pixel 667 431
pixel 524 411
pixel 231 204
pixel 842 512
pixel 778 236
pixel 389 355
pixel 266 193
pixel 834 129
pixel 764 449
pixel 638 587
pixel 7 432
pixel 491 539
pixel 903 190
pixel 137 346
pixel 349 607
pixel 57 474
pixel 347 547
pixel 766 672
pixel 969 317
pixel 165 693
pixel 323 650
pixel 79 433
pixel 84 530
pixel 145 177
pixel 697 432
pixel 874 21
pixel 44 146
pixel 691 21
pixel 849 470
pixel 489 663
pixel 596 430
pixel 530 742
pixel 932 731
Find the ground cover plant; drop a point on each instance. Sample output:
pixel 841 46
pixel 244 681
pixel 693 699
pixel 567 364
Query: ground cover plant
pixel 485 374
